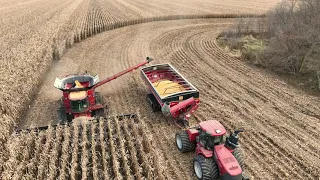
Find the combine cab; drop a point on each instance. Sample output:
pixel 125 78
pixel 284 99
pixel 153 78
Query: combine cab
pixel 170 93
pixel 78 98
pixel 217 156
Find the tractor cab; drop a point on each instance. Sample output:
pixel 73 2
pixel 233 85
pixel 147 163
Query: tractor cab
pixel 211 133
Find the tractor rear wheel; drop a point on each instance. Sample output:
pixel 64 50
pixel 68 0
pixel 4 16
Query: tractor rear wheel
pixel 238 155
pixel 205 168
pixel 183 143
pixel 154 103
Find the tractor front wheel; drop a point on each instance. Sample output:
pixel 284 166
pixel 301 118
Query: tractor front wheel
pixel 183 143
pixel 205 168
pixel 238 155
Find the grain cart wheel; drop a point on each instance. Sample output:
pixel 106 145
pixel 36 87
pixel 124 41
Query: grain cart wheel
pixel 238 155
pixel 205 168
pixel 154 103
pixel 183 143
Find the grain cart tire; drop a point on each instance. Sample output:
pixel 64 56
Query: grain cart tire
pixel 183 143
pixel 205 168
pixel 154 103
pixel 238 155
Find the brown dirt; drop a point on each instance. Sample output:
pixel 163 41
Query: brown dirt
pixel 282 123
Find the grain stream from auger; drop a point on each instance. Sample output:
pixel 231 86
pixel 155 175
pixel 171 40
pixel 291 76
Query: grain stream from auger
pixel 281 122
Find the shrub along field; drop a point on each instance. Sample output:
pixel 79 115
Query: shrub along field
pixel 292 37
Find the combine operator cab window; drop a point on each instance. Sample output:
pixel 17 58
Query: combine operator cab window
pixel 208 141
pixel 79 105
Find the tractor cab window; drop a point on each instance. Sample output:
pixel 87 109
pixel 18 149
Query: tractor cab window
pixel 214 140
pixel 79 105
pixel 208 141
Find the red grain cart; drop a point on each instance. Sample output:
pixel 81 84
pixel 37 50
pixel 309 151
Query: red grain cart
pixel 170 93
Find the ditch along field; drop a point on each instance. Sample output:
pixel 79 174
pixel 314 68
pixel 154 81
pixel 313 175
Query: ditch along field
pixel 282 123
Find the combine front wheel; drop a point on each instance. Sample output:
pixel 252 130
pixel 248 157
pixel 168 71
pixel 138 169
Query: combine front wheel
pixel 183 143
pixel 99 113
pixel 205 168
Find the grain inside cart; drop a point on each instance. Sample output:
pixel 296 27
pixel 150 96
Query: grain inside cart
pixel 170 93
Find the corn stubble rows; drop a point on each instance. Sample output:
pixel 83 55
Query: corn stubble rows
pixel 113 149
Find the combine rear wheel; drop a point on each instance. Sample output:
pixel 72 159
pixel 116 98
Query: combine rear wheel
pixel 183 143
pixel 205 168
pixel 99 113
pixel 101 100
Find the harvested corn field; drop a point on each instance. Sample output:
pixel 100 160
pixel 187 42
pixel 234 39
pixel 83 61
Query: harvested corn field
pixel 281 123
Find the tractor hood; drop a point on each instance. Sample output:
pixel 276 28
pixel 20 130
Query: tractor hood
pixel 227 162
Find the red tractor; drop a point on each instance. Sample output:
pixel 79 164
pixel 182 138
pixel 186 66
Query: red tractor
pixel 79 96
pixel 217 156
